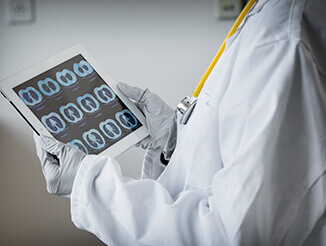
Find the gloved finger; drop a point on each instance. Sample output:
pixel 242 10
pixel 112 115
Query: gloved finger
pixel 134 93
pixel 35 136
pixel 145 98
pixel 46 158
pixel 50 166
pixel 51 173
pixel 141 107
pixel 51 145
pixel 145 143
pixel 40 152
pixel 37 140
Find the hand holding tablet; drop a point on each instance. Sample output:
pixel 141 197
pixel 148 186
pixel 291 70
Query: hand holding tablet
pixel 69 97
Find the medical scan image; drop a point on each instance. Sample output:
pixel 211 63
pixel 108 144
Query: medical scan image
pixel 48 87
pixel 94 139
pixel 66 77
pixel 88 103
pixel 126 119
pixel 104 94
pixel 30 96
pixel 53 122
pixel 71 113
pixel 110 128
pixel 82 68
pixel 77 107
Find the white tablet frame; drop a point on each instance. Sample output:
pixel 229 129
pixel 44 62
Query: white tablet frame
pixel 7 85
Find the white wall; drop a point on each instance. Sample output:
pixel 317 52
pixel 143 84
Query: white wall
pixel 162 45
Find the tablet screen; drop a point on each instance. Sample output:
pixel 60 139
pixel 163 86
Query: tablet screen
pixel 77 107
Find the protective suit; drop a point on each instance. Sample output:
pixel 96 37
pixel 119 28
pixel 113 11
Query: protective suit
pixel 249 167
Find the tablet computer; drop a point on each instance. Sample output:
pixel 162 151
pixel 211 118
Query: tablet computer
pixel 69 97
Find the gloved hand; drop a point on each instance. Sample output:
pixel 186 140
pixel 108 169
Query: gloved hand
pixel 60 163
pixel 160 118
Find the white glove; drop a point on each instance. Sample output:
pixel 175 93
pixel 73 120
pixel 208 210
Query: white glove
pixel 60 163
pixel 160 118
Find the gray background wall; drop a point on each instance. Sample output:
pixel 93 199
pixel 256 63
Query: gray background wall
pixel 162 45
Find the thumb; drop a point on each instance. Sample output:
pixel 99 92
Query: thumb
pixel 134 93
pixel 51 145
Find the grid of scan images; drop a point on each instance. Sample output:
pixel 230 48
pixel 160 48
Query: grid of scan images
pixel 77 107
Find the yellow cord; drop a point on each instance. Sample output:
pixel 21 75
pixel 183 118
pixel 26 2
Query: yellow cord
pixel 222 47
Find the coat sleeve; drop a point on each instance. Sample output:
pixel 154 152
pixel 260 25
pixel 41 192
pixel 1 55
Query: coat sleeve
pixel 273 151
pixel 124 211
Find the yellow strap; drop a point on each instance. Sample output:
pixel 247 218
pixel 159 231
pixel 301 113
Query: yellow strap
pixel 222 47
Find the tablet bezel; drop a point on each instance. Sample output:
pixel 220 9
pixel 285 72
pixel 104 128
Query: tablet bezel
pixel 7 88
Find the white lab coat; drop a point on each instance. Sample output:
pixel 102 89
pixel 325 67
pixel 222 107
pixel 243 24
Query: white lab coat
pixel 249 167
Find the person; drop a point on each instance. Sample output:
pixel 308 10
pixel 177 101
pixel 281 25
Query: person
pixel 249 167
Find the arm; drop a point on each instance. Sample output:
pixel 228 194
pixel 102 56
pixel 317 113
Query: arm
pixel 123 211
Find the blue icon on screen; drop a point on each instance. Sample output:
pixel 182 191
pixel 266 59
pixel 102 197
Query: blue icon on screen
pixel 79 144
pixel 83 68
pixel 94 139
pixel 104 94
pixel 30 96
pixel 66 77
pixel 48 87
pixel 126 119
pixel 88 103
pixel 71 113
pixel 53 122
pixel 110 129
